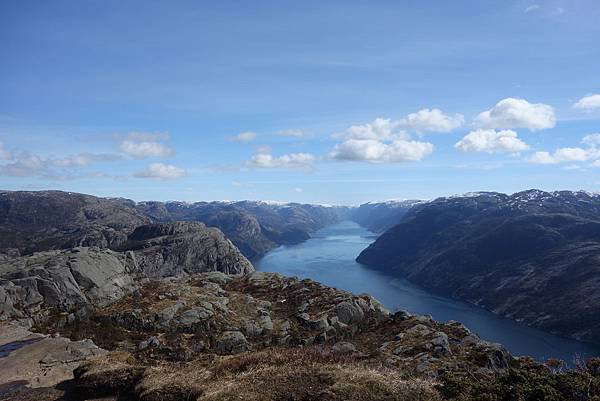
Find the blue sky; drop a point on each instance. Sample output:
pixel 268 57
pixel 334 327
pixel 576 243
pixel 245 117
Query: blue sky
pixel 329 102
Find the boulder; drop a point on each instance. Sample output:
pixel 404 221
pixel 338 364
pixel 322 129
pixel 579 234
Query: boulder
pixel 231 342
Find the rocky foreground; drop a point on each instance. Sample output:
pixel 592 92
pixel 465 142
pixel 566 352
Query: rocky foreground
pixel 262 336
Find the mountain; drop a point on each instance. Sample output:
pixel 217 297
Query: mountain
pixel 379 216
pixel 49 220
pixel 46 220
pixel 533 256
pixel 255 227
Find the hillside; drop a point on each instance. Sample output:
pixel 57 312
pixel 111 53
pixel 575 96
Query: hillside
pixel 531 256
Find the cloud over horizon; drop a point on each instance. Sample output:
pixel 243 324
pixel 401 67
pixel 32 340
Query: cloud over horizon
pixel 292 160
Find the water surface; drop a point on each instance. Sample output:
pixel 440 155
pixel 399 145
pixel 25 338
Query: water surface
pixel 328 257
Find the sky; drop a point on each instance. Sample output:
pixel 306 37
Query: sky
pixel 337 102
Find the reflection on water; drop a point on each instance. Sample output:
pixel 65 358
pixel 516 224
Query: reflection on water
pixel 329 256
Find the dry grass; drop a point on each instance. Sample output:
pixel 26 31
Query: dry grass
pixel 283 375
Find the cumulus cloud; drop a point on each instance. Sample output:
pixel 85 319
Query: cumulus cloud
pixel 379 129
pixel 5 154
pixel 491 141
pixel 513 113
pixel 572 154
pixel 589 102
pixel 564 155
pixel 374 151
pixel 532 8
pixel 243 137
pixel 386 129
pixel 161 171
pixel 292 160
pixel 294 133
pixel 388 141
pixel 142 145
pixel 433 120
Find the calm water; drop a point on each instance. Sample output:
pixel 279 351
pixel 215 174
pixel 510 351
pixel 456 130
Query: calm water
pixel 328 257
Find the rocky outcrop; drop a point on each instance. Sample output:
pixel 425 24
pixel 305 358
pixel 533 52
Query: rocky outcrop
pixel 181 248
pixel 262 336
pixel 531 256
pixel 35 360
pixel 72 282
pixel 188 318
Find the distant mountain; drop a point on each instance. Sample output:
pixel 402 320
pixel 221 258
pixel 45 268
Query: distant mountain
pixel 254 226
pixel 379 216
pixel 47 220
pixel 532 256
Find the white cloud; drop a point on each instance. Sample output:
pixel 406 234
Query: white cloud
pixel 298 190
pixel 564 155
pixel 161 171
pixel 589 102
pixel 243 137
pixel 491 141
pixel 146 144
pixel 433 120
pixel 143 149
pixel 513 113
pixel 379 129
pixel 592 140
pixel 27 164
pixel 542 158
pixel 531 8
pixel 374 151
pixel 386 129
pixel 5 154
pixel 292 160
pixel 295 133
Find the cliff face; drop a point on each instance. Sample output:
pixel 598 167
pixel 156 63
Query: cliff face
pixel 531 256
pixel 78 280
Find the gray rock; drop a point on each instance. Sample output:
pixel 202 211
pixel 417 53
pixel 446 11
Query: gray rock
pixel 343 347
pixel 440 342
pixel 183 248
pixel 231 342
